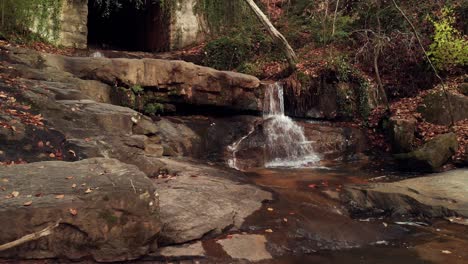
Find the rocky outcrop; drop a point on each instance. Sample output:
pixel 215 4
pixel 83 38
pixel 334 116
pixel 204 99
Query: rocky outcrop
pixel 435 108
pixel 172 82
pixel 328 97
pixel 198 200
pixel 401 133
pixel 106 210
pixel 432 155
pixel 436 195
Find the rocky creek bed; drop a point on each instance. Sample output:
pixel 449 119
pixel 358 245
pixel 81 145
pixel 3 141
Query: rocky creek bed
pixel 125 187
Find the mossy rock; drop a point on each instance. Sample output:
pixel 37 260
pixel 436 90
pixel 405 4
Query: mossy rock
pixel 435 108
pixel 463 88
pixel 432 155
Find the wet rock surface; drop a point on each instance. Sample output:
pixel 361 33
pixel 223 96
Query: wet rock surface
pixel 248 247
pixel 106 210
pixel 436 195
pixel 204 201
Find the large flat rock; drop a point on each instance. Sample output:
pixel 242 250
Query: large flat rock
pixel 204 200
pixel 107 210
pixel 436 195
pixel 176 82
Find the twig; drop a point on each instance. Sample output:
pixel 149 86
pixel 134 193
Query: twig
pixel 31 237
pixel 133 186
pixel 415 32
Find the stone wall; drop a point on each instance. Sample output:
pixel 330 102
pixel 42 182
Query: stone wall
pixel 74 24
pixel 187 27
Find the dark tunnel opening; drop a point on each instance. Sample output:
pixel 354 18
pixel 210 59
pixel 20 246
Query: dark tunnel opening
pixel 128 28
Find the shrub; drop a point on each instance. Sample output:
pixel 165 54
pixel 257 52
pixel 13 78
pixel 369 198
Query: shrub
pixel 137 89
pixel 449 47
pixel 153 108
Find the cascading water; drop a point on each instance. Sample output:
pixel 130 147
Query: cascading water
pixel 286 144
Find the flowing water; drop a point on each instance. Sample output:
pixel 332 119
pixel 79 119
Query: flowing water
pixel 285 142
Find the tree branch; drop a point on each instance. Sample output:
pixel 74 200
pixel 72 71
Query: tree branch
pixel 415 32
pixel 31 237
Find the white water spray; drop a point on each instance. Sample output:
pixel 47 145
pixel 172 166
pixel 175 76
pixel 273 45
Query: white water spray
pixel 286 144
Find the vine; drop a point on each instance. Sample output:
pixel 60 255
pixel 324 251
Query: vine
pixel 21 17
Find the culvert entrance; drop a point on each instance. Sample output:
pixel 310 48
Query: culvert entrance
pixel 128 28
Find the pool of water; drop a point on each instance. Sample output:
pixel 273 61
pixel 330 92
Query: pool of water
pixel 306 223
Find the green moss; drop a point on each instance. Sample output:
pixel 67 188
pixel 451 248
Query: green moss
pixel 109 217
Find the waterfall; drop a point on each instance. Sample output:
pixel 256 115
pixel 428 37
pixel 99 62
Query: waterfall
pixel 285 142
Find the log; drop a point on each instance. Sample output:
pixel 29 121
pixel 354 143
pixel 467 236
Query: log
pixel 275 34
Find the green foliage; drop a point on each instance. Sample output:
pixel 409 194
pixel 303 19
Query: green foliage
pixel 238 51
pixel 137 89
pixel 153 108
pixel 109 6
pixel 449 47
pixel 346 73
pixel 22 18
pixel 224 16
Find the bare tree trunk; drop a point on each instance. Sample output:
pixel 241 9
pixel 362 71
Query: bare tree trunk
pixel 334 17
pixel 415 32
pixel 383 94
pixel 275 34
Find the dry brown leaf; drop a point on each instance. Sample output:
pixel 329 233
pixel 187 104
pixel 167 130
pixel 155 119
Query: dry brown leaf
pixel 60 196
pixel 15 194
pixel 74 186
pixel 73 211
pixel 88 191
pixel 27 203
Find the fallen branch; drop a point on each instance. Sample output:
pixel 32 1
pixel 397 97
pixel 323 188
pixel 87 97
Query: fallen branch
pixel 31 237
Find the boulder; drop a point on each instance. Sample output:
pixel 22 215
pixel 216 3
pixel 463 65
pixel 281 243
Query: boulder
pixel 106 210
pixel 463 88
pixel 401 133
pixel 432 155
pixel 435 108
pixel 199 200
pixel 326 96
pixel 435 195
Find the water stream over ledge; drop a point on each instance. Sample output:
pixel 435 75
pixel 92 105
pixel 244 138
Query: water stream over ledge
pixel 285 143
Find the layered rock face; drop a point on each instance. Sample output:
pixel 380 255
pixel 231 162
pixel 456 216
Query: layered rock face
pixel 173 82
pixel 105 209
pixel 79 123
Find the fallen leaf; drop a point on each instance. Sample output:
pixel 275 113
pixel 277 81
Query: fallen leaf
pixel 52 155
pixel 73 211
pixel 74 186
pixel 15 194
pixel 312 185
pixel 269 231
pixel 285 220
pixel 270 209
pixel 446 252
pixel 40 144
pixel 27 203
pixel 60 196
pixel 69 177
pixel 88 191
